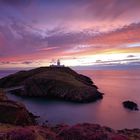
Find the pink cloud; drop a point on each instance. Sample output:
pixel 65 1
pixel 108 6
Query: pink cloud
pixel 119 37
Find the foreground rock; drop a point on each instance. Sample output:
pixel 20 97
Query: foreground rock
pixel 130 105
pixel 83 131
pixel 13 112
pixel 53 82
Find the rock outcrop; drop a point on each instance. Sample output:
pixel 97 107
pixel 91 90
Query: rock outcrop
pixel 13 112
pixel 130 105
pixel 53 82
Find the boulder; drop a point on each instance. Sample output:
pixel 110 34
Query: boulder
pixel 130 105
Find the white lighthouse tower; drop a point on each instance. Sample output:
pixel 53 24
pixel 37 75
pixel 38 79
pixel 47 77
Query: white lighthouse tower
pixel 58 63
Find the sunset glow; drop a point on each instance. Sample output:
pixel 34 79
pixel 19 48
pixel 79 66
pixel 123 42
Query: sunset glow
pixel 79 32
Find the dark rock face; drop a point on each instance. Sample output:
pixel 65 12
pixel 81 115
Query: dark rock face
pixel 14 113
pixel 130 105
pixel 53 82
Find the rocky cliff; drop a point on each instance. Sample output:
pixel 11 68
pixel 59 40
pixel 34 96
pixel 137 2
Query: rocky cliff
pixel 53 82
pixel 14 112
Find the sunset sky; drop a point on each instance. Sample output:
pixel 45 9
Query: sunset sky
pixel 78 32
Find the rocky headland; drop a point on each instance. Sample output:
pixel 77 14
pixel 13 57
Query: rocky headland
pixel 53 82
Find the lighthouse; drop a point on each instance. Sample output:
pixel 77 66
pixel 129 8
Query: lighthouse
pixel 58 63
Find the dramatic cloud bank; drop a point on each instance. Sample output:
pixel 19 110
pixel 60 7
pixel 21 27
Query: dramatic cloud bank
pixel 79 32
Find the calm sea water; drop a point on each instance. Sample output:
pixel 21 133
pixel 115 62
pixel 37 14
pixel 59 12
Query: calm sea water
pixel 118 86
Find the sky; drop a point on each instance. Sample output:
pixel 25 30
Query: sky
pixel 78 32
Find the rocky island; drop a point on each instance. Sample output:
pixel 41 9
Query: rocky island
pixel 130 105
pixel 53 82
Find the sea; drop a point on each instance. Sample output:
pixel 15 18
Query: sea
pixel 117 86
